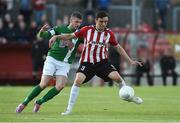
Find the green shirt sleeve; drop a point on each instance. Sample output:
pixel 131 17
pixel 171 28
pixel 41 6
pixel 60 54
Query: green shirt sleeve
pixel 53 31
pixel 44 34
pixel 81 40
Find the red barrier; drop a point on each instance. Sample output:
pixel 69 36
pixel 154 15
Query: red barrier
pixel 15 62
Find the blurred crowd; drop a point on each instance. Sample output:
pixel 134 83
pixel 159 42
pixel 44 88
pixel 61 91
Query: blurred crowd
pixel 31 15
pixel 21 28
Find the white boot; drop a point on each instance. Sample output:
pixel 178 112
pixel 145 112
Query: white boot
pixel 137 100
pixel 67 112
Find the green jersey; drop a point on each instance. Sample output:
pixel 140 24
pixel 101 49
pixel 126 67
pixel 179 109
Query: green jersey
pixel 62 50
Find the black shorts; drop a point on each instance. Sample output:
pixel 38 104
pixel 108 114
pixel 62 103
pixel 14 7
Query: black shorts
pixel 101 69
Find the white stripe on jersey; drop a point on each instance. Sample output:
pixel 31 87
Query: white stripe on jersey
pixel 52 32
pixel 88 39
pixel 106 47
pixel 99 47
pixel 74 41
pixel 107 38
pixel 106 42
pixel 93 46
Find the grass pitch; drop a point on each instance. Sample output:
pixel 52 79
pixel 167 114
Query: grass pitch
pixel 95 104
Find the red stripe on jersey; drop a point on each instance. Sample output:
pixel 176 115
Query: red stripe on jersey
pixel 101 50
pixel 106 51
pixel 96 46
pixel 90 45
pixel 83 53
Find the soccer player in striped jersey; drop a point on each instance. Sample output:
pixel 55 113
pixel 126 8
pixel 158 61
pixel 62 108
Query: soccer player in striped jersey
pixel 94 57
pixel 57 63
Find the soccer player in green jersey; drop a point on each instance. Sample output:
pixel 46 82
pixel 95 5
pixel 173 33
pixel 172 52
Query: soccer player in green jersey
pixel 57 63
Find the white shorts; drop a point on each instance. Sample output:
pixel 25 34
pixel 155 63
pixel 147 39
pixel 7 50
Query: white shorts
pixel 55 67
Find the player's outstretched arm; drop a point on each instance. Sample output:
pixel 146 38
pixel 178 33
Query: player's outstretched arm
pixel 61 37
pixel 122 52
pixel 42 32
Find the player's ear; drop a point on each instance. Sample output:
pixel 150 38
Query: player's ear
pixel 71 18
pixel 96 19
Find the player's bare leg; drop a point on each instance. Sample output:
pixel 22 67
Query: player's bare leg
pixel 60 84
pixel 80 77
pixel 116 77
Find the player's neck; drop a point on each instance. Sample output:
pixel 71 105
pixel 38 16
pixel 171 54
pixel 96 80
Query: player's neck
pixel 99 30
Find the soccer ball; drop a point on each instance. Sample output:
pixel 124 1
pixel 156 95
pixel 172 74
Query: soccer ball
pixel 126 93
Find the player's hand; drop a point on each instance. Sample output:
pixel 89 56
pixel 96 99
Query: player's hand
pixel 136 63
pixel 45 27
pixel 52 40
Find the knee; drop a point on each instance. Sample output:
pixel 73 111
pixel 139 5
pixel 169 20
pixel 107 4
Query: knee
pixel 42 85
pixel 59 86
pixel 78 81
pixel 116 78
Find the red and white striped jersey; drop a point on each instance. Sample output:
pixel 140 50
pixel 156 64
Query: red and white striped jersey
pixel 95 43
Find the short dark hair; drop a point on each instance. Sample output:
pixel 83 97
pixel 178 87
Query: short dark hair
pixel 76 14
pixel 101 14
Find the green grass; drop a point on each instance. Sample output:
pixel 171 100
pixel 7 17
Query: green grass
pixel 95 104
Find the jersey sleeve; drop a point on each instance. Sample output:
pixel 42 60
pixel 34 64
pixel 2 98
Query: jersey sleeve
pixel 55 30
pixel 80 33
pixel 113 40
pixel 44 34
pixel 50 32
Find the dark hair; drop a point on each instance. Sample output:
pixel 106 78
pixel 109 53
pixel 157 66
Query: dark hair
pixel 76 14
pixel 101 14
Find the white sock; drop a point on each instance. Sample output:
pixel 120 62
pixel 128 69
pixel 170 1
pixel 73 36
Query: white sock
pixel 123 83
pixel 73 96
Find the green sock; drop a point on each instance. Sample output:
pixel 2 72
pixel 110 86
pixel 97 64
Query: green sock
pixel 36 91
pixel 49 95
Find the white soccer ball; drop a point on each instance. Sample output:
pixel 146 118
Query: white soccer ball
pixel 126 92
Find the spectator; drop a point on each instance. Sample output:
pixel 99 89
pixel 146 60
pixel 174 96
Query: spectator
pixel 32 31
pixel 10 5
pixel 3 7
pixel 7 19
pixel 65 20
pixel 104 5
pixel 21 33
pixel 19 19
pixel 10 32
pixel 88 18
pixel 159 26
pixel 146 68
pixel 44 20
pixel 58 21
pixel 114 58
pixel 25 10
pixel 168 65
pixel 161 8
pixel 144 27
pixel 39 7
pixel 88 4
pixel 39 51
pixel 2 33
